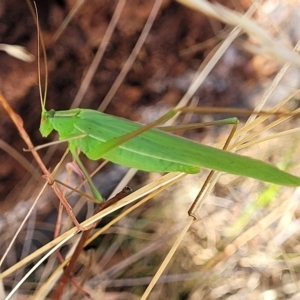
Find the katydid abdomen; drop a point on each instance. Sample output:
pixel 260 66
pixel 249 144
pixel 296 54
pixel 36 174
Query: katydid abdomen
pixel 153 150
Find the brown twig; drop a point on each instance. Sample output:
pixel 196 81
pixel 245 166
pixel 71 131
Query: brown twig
pixel 17 120
pixel 69 269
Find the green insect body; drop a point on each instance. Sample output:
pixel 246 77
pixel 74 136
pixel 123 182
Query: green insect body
pixel 152 150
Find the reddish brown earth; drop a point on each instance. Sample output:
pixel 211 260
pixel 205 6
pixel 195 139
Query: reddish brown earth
pixel 161 72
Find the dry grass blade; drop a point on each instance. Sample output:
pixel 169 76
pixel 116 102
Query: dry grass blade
pixel 267 44
pixel 18 52
pixel 151 189
pixel 18 157
pixel 98 57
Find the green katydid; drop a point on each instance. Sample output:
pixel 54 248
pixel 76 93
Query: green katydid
pixel 99 135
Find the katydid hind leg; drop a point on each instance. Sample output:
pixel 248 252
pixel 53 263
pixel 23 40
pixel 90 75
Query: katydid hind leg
pixel 228 121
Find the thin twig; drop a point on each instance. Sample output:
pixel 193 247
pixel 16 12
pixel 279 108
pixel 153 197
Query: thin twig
pixel 17 120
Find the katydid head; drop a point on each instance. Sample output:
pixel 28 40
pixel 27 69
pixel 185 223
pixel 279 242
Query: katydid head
pixel 46 126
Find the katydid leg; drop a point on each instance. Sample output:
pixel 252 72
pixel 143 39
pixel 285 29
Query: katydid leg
pixel 95 191
pixel 228 121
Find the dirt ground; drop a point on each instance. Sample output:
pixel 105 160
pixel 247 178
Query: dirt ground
pixel 161 73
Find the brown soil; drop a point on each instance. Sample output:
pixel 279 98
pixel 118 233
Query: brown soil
pixel 161 72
